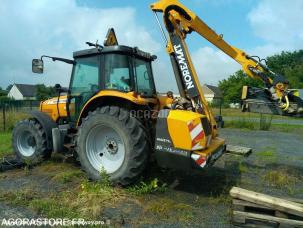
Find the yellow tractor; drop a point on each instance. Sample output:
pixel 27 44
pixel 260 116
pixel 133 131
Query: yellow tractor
pixel 111 116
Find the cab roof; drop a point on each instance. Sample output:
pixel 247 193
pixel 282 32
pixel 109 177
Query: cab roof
pixel 115 49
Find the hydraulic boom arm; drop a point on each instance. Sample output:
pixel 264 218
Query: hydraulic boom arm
pixel 180 21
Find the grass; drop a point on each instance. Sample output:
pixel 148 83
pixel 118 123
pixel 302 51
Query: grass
pixel 86 200
pixel 220 199
pixel 265 122
pixel 5 144
pixel 79 196
pixel 281 179
pixel 298 129
pixel 268 155
pixel 245 120
pixel 231 112
pixel 168 209
pixel 94 197
pixel 5 136
pixel 242 123
pixel 68 176
pixel 147 187
pixel 243 168
pixel 20 197
pixel 52 208
pixel 245 123
pixel 12 117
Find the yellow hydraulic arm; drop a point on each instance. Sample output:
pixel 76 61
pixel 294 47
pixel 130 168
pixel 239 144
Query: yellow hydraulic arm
pixel 180 21
pixel 186 25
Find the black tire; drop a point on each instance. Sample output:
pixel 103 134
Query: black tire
pixel 35 131
pixel 133 134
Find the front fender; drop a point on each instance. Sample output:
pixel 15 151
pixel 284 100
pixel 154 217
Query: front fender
pixel 47 123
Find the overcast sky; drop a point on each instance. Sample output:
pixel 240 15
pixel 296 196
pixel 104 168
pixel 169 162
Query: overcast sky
pixel 31 28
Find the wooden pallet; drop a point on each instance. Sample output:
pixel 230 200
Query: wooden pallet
pixel 251 209
pixel 238 150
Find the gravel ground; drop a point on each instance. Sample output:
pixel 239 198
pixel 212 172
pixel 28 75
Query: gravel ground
pixel 199 199
pixel 15 212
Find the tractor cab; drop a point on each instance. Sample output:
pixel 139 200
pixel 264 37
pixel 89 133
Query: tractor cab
pixel 112 69
pixel 119 69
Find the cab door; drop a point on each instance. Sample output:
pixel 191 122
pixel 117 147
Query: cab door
pixel 85 83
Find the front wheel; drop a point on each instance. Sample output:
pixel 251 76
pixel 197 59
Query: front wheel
pixel 29 142
pixel 110 139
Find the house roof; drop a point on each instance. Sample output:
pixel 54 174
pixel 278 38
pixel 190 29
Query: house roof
pixel 27 90
pixel 209 89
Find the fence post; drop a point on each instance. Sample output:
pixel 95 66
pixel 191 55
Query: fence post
pixel 221 102
pixel 4 117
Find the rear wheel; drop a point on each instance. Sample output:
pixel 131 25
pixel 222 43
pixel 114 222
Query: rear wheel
pixel 110 139
pixel 29 142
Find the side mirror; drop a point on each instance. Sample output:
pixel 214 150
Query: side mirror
pixel 58 86
pixel 37 66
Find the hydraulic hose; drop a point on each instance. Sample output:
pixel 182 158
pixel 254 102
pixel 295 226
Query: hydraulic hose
pixel 284 106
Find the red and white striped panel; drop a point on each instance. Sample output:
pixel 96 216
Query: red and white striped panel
pixel 196 134
pixel 199 159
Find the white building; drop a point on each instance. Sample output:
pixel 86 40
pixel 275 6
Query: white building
pixel 23 92
pixel 211 93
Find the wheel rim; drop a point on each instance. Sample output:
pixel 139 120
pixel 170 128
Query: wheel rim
pixel 105 149
pixel 26 143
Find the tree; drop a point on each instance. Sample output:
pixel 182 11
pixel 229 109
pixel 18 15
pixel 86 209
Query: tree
pixel 45 92
pixel 4 99
pixel 2 92
pixel 8 88
pixel 289 64
pixel 232 87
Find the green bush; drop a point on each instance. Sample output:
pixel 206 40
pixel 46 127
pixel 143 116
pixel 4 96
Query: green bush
pixel 265 122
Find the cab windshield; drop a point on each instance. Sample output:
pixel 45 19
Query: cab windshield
pixel 117 72
pixel 125 73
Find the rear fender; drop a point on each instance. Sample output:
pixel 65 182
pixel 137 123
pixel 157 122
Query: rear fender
pixel 107 97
